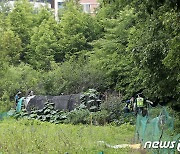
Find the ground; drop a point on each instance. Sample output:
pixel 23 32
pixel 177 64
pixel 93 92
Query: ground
pixel 27 136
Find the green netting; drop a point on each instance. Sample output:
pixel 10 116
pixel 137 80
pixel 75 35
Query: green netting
pixel 157 125
pixel 3 115
pixel 7 114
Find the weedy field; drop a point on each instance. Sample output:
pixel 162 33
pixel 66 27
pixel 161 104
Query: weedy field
pixel 32 136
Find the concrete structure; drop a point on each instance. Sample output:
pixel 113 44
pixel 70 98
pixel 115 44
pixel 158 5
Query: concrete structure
pixel 56 5
pixel 89 6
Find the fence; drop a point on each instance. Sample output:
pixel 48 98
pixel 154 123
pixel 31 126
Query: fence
pixel 157 126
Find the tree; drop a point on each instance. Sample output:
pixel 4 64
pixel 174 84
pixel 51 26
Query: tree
pixel 110 52
pixel 10 47
pixel 4 7
pixel 77 31
pixel 4 11
pixel 42 47
pixel 21 21
pixel 150 45
pixel 42 13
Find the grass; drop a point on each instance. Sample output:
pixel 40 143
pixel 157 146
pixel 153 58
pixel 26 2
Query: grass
pixel 27 136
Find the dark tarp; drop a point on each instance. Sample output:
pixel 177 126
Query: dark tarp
pixel 37 102
pixel 74 101
pixel 63 102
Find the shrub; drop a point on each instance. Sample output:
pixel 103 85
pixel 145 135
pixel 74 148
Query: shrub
pixel 91 100
pixel 78 116
pixel 5 102
pixel 48 113
pixel 74 76
pixel 114 106
pixel 100 117
pixel 23 78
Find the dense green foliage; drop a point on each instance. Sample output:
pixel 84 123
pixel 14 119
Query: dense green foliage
pixel 129 46
pixel 48 113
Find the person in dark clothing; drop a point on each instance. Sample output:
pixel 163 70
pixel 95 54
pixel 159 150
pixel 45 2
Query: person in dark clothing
pixel 127 107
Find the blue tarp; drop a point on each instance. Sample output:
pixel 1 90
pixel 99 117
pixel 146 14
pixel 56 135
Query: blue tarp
pixel 18 107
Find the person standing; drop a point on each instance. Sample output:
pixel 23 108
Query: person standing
pixel 127 107
pixel 141 104
pixel 132 102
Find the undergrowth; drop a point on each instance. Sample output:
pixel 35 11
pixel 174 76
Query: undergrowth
pixel 33 136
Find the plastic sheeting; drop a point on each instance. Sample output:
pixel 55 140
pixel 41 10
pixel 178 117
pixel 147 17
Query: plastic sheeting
pixel 19 105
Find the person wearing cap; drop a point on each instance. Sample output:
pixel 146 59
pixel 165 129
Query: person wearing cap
pixel 17 96
pixel 31 93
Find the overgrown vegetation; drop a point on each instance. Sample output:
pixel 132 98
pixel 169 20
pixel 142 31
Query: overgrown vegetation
pixel 48 113
pixel 129 46
pixel 32 136
pixel 91 111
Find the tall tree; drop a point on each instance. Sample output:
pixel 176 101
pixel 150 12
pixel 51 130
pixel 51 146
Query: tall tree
pixel 111 55
pixel 21 20
pixel 77 31
pixel 151 43
pixel 42 46
pixel 10 47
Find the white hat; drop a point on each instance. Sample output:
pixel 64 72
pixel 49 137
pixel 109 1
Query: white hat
pixel 19 92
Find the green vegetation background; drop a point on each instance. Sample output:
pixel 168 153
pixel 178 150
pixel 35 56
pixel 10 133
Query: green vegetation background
pixel 128 46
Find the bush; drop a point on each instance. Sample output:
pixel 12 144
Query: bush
pixel 123 119
pixel 48 113
pixel 5 103
pixel 78 116
pixel 114 114
pixel 22 78
pixel 100 117
pixel 114 106
pixel 74 76
pixel 91 100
